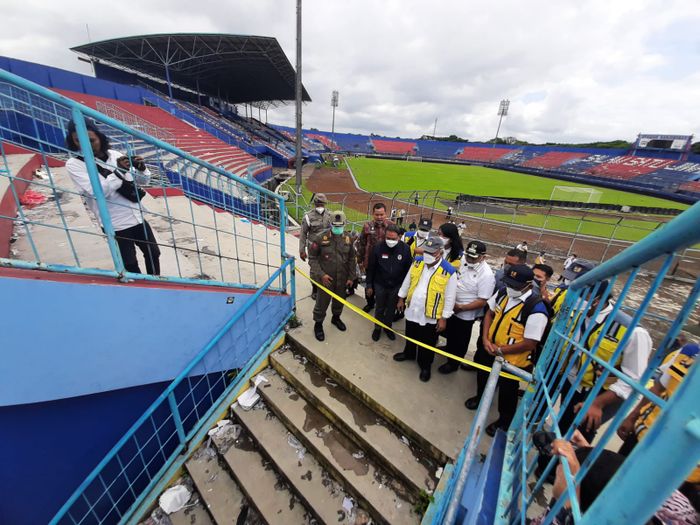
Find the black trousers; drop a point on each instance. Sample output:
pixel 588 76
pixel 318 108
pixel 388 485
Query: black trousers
pixel 386 299
pixel 458 334
pixel 567 417
pixel 425 334
pixel 507 388
pixel 142 236
pixel 370 300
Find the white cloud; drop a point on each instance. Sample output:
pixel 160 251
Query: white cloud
pixel 574 71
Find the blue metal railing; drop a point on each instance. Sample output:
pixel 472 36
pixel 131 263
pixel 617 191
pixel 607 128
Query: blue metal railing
pixel 671 448
pixel 197 244
pixel 113 491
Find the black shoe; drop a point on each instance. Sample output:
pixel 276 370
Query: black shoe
pixel 391 335
pixel 376 334
pixel 318 331
pixel 340 325
pixel 424 375
pixel 493 427
pixel 448 368
pixel 367 308
pixel 401 356
pixel 468 368
pixel 472 403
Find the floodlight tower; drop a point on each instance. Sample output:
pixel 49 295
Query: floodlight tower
pixel 502 112
pixel 298 97
pixel 334 104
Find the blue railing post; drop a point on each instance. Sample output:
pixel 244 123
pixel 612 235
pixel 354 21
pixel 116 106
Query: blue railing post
pixel 176 417
pixel 99 196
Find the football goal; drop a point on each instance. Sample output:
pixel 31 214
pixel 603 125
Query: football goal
pixel 575 194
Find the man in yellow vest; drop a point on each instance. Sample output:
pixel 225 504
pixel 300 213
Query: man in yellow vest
pixel 512 327
pixel 635 426
pixel 632 362
pixel 576 269
pixel 429 288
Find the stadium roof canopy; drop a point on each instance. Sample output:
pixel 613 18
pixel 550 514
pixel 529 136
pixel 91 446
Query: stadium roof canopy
pixel 238 68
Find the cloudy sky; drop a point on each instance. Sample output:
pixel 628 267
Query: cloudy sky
pixel 573 70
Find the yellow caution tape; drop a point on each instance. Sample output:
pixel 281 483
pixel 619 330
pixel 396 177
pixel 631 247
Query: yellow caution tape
pixel 364 314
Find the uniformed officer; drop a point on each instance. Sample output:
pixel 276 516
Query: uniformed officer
pixel 314 222
pixel 332 261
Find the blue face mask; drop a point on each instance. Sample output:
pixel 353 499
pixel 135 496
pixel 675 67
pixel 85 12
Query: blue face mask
pixel 337 230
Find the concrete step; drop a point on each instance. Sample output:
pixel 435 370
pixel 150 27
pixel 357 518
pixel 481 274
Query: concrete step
pixel 218 490
pixel 322 495
pixel 263 487
pixel 386 499
pixel 365 427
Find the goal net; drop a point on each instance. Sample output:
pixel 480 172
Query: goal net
pixel 414 158
pixel 575 194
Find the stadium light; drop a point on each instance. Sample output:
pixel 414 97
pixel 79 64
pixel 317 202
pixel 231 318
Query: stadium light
pixel 502 112
pixel 334 104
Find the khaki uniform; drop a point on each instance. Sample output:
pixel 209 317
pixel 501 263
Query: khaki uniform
pixel 332 255
pixel 312 224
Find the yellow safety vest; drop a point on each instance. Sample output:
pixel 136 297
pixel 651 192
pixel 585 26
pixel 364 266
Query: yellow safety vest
pixel 507 328
pixel 557 299
pixel 647 416
pixel 607 347
pixel 435 298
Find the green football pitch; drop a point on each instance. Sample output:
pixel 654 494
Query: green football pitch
pixel 387 176
pixel 392 176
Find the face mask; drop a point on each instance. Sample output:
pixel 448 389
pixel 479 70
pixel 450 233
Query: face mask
pixel 506 267
pixel 567 281
pixel 472 266
pixel 513 293
pixel 537 282
pixel 422 234
pixel 446 242
pixel 391 243
pixel 320 209
pixel 337 230
pixel 429 258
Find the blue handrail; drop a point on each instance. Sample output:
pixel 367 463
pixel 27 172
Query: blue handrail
pixel 166 398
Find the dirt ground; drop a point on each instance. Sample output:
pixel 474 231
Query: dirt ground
pixel 340 188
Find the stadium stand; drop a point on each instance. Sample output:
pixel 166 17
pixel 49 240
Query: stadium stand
pixel 628 167
pixel 672 176
pixel 552 159
pixel 187 137
pixel 437 149
pixel 327 142
pixel 483 154
pixel 393 147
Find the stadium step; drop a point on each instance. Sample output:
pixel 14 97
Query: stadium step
pixel 385 498
pixel 357 421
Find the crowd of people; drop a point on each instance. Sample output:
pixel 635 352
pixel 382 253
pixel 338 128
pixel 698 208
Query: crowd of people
pixel 444 288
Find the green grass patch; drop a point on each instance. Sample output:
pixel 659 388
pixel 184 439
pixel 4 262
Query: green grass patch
pixel 389 176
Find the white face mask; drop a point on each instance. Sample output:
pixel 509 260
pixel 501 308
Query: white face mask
pixel 429 258
pixel 473 266
pixel 513 293
pixel 446 242
pixel 422 234
pixel 320 209
pixel 567 281
pixel 391 243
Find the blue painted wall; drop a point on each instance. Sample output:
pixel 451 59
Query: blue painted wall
pixel 65 339
pixel 82 362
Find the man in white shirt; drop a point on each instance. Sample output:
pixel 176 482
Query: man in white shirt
pixel 430 288
pixel 633 362
pixel 513 326
pixel 475 284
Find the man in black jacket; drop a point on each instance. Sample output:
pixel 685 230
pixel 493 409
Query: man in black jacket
pixel 387 266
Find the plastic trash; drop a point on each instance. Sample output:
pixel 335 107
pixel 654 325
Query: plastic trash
pixel 248 398
pixel 32 198
pixel 174 499
pixel 358 455
pixel 296 444
pixel 348 504
pixel 330 382
pixel 405 441
pixel 438 473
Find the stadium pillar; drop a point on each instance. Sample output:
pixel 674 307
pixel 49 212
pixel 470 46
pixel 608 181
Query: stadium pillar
pixel 167 78
pixel 298 101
